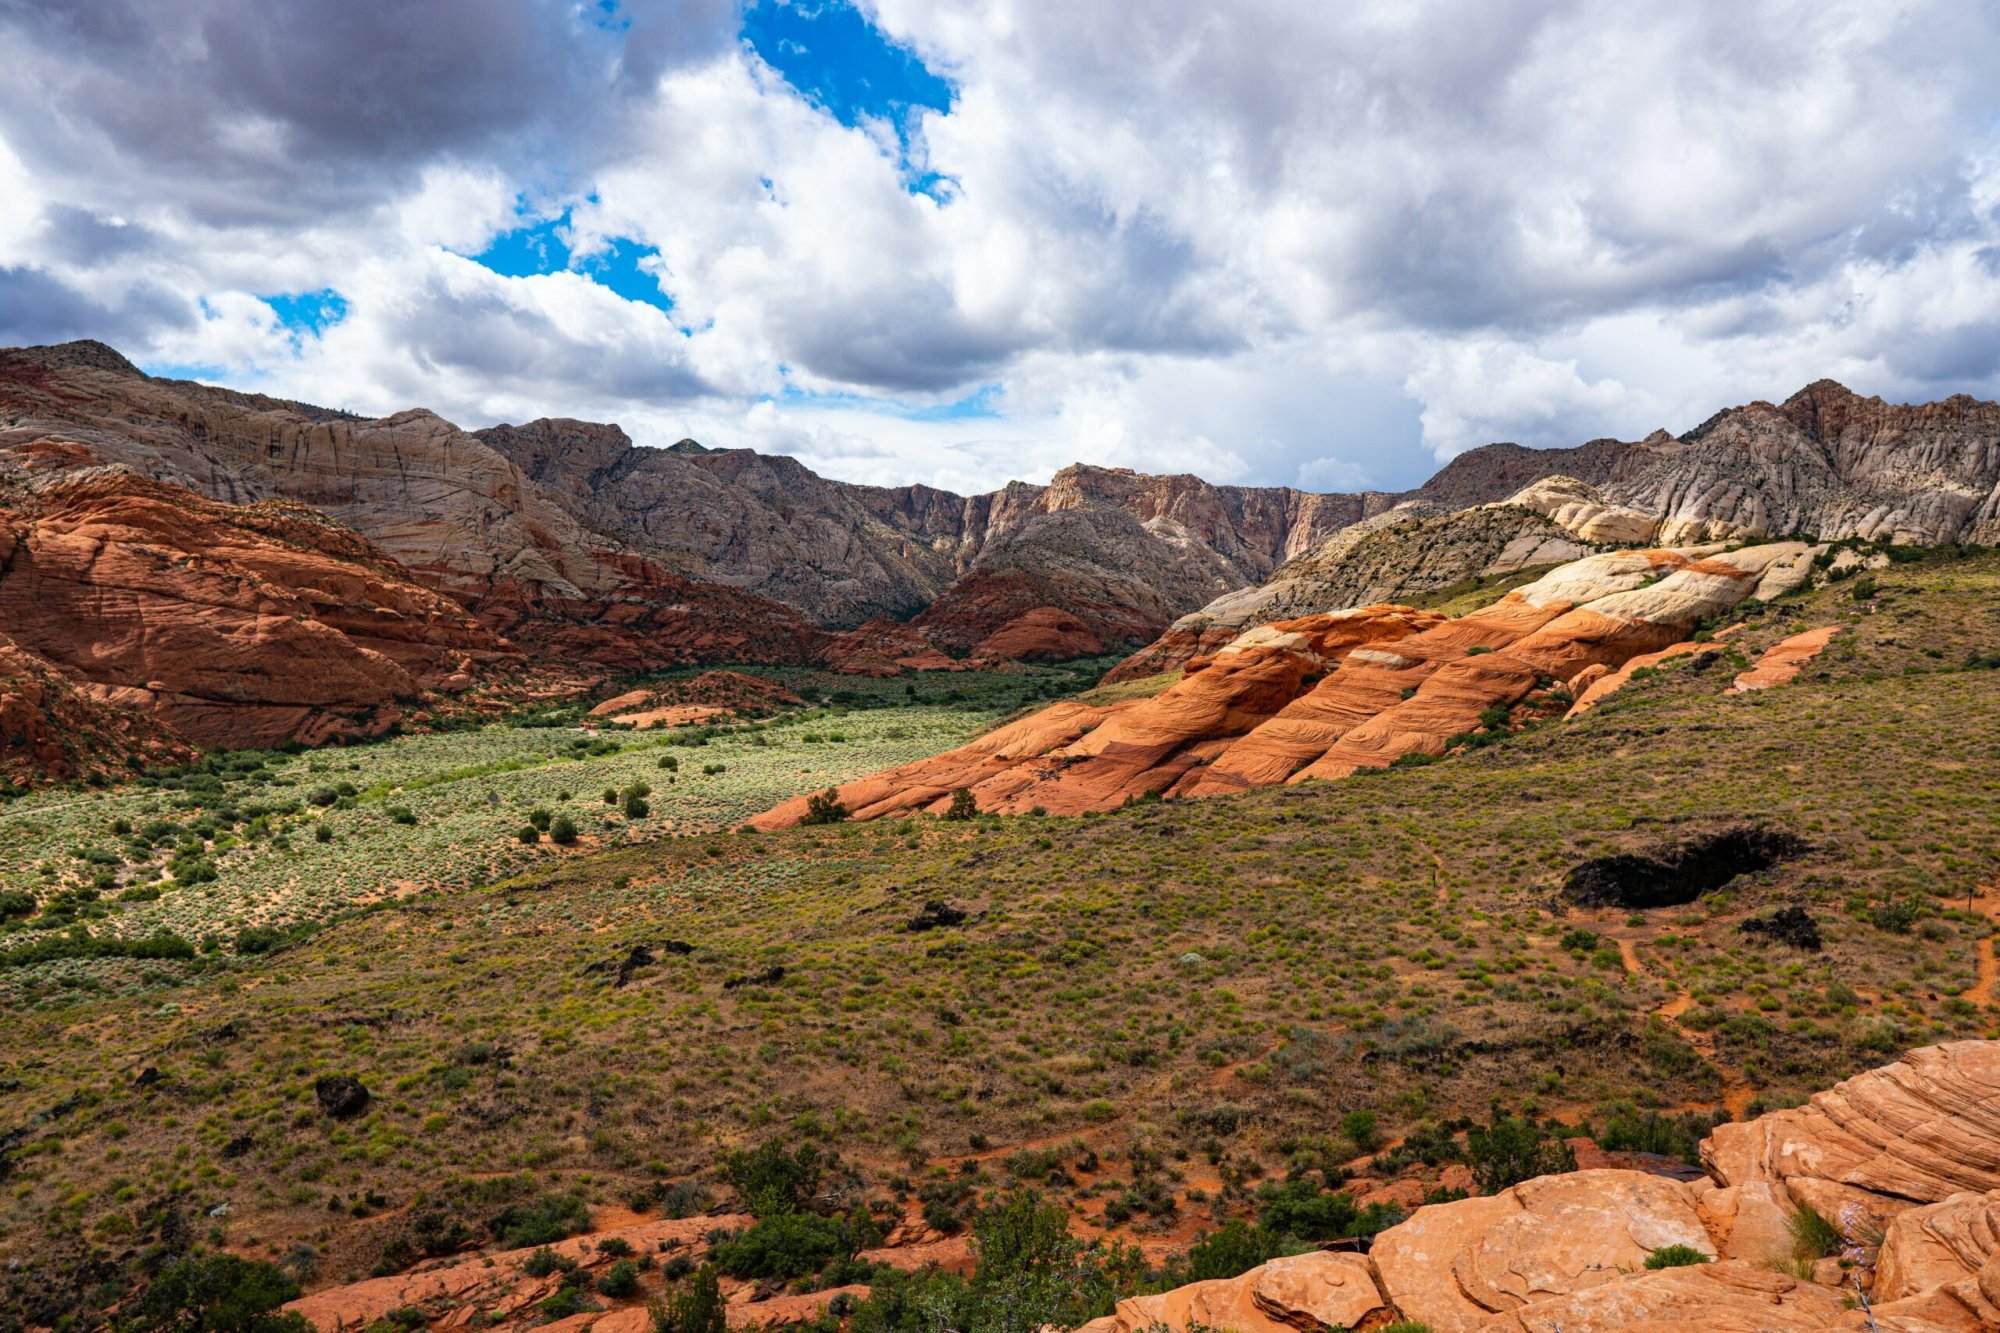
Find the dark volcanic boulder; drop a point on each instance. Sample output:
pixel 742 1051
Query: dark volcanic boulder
pixel 341 1096
pixel 1678 872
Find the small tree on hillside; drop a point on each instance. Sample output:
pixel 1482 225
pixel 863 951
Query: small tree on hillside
pixel 962 805
pixel 824 808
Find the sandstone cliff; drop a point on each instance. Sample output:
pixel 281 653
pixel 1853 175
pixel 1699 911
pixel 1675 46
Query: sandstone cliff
pixel 1326 695
pixel 231 625
pixel 1904 1161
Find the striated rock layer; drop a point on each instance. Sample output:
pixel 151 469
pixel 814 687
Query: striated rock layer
pixel 1324 696
pixel 1568 1253
pixel 232 625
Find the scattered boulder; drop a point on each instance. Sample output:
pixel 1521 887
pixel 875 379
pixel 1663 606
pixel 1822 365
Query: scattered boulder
pixel 935 914
pixel 341 1096
pixel 636 957
pixel 1788 925
pixel 1680 871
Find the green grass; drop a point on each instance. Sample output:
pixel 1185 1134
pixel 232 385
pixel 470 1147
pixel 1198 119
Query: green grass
pixel 1186 998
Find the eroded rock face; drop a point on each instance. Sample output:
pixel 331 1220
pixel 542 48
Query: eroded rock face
pixel 233 625
pixel 1074 757
pixel 1730 1297
pixel 53 727
pixel 1827 461
pixel 1568 1253
pixel 1283 1296
pixel 1407 551
pixel 458 515
pixel 1325 696
pixel 1917 1131
pixel 1455 1265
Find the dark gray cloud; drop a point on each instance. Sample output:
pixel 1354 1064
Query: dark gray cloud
pixel 37 307
pixel 243 112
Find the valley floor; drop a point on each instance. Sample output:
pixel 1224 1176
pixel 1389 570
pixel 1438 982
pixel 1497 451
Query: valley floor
pixel 1144 1013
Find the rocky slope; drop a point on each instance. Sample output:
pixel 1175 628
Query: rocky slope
pixel 1123 551
pixel 1409 551
pixel 1827 463
pixel 231 625
pixel 456 513
pixel 1904 1161
pixel 1324 696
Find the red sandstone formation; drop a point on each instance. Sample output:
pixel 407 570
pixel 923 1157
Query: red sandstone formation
pixel 884 648
pixel 233 625
pixel 1324 696
pixel 1782 661
pixel 1904 1160
pixel 1045 634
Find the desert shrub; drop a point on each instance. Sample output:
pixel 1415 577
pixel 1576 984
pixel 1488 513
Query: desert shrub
pixel 540 818
pixel 636 807
pixel 1675 1256
pixel 529 834
pixel 545 1261
pixel 621 1279
pixel 401 814
pixel 785 1245
pixel 1361 1130
pixel 217 1294
pixel 1513 1149
pixel 824 808
pixel 962 805
pixel 694 1306
pixel 1301 1207
pixel 669 763
pixel 540 1221
pixel 562 830
pixel 1232 1249
pixel 1813 1237
pixel 771 1180
pixel 16 902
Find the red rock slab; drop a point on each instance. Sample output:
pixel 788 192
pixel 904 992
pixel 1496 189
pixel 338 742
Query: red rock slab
pixel 1046 633
pixel 1913 1132
pixel 909 787
pixel 1727 1297
pixel 1938 1244
pixel 1455 1266
pixel 494 1284
pixel 787 1311
pixel 1605 682
pixel 953 1254
pixel 1302 1291
pixel 1781 663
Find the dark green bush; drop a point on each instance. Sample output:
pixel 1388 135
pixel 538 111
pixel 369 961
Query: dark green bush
pixel 217 1294
pixel 540 1221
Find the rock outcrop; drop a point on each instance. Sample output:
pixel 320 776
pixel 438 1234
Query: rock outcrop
pixel 1303 1291
pixel 1408 552
pixel 232 625
pixel 1569 1253
pixel 456 513
pixel 1827 462
pixel 1073 757
pixel 1325 696
pixel 1094 539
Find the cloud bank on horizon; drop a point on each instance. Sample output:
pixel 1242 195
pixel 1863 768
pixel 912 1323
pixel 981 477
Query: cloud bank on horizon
pixel 959 241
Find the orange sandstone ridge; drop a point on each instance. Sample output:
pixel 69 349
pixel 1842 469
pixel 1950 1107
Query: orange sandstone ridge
pixel 1325 696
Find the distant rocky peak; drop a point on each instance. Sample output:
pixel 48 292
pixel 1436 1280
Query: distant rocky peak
pixel 85 353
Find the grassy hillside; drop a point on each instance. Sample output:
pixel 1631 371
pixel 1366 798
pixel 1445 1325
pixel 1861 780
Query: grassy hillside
pixel 1147 1013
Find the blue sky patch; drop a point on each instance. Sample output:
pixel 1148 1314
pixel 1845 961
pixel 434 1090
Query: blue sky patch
pixel 830 52
pixel 979 405
pixel 543 247
pixel 307 313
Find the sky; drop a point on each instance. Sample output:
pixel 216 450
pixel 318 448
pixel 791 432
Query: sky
pixel 963 241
